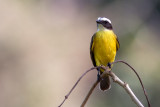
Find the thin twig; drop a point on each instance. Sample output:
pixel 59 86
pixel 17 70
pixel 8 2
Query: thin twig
pixel 127 89
pixel 89 93
pixel 149 105
pixel 117 80
pixel 66 97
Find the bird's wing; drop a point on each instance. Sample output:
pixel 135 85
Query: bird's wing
pixel 92 50
pixel 117 43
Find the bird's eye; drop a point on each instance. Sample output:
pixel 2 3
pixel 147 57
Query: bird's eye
pixel 105 22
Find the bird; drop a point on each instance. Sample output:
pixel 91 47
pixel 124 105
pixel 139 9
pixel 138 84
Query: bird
pixel 103 48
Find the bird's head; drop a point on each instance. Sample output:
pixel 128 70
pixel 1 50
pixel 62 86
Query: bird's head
pixel 104 24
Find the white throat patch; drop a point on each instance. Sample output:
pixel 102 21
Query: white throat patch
pixel 101 28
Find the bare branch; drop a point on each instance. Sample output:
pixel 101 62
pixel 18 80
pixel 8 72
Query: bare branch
pixel 107 71
pixel 89 93
pixel 66 97
pixel 149 105
pixel 127 89
pixel 117 80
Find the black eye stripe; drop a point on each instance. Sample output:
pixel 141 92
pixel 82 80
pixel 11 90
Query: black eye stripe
pixel 106 24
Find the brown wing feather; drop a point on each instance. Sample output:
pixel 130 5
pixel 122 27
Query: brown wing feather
pixel 91 51
pixel 117 43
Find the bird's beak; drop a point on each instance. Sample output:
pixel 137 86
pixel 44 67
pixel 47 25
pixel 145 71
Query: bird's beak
pixel 97 21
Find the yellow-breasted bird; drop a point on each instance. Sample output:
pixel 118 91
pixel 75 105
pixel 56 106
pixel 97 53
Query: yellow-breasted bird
pixel 103 48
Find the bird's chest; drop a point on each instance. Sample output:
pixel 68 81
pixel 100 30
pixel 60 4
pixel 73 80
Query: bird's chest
pixel 105 48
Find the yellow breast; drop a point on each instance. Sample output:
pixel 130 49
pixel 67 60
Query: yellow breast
pixel 104 47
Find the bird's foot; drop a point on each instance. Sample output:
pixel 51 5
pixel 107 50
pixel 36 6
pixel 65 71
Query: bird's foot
pixel 109 65
pixel 98 75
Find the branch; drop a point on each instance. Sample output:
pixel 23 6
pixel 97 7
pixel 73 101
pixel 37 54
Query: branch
pixel 149 105
pixel 107 71
pixel 66 97
pixel 117 80
pixel 127 89
pixel 89 93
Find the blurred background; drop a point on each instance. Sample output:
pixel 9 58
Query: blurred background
pixel 44 48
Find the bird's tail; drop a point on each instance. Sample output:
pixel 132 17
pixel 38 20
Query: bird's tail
pixel 105 83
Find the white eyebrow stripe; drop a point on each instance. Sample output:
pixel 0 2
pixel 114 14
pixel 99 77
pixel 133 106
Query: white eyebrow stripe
pixel 103 19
